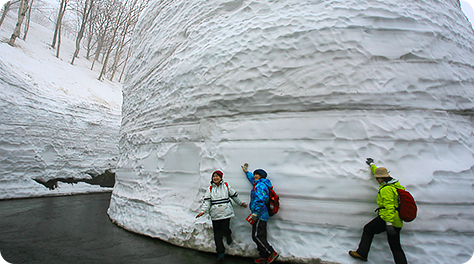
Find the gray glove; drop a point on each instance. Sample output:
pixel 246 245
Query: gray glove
pixel 369 161
pixel 390 229
pixel 245 167
pixel 254 216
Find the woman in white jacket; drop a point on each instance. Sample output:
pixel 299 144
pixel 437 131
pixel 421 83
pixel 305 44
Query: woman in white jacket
pixel 217 202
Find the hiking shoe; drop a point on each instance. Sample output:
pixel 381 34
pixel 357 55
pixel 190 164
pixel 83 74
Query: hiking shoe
pixel 272 257
pixel 260 260
pixel 220 256
pixel 356 255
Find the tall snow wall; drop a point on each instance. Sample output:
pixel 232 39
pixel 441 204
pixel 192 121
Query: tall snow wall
pixel 306 90
pixel 55 123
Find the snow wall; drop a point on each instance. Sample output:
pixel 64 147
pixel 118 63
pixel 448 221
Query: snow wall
pixel 305 90
pixel 56 122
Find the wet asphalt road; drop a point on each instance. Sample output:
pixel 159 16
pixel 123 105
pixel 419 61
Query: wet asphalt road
pixel 77 229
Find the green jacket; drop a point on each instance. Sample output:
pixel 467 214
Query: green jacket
pixel 387 201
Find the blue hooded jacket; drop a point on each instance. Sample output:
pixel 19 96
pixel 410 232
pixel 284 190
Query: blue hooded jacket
pixel 259 196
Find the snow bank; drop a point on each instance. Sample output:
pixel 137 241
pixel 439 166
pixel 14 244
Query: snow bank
pixel 306 90
pixel 56 120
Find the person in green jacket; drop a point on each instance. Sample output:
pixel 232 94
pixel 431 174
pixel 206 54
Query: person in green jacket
pixel 387 219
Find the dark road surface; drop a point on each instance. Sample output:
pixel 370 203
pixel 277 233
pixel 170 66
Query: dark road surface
pixel 77 229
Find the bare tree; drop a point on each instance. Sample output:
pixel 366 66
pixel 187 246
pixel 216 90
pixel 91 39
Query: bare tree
pixel 114 34
pixel 87 10
pixel 90 35
pixel 21 16
pixel 107 25
pixel 132 18
pixel 127 24
pixel 6 8
pixel 106 12
pixel 57 29
pixel 89 31
pixel 27 24
pixel 125 63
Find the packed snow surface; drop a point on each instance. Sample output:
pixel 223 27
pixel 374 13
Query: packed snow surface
pixel 306 90
pixel 56 120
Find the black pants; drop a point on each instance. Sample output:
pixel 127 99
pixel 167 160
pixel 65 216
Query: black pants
pixel 377 226
pixel 259 236
pixel 221 230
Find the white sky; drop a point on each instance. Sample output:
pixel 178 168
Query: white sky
pixel 468 8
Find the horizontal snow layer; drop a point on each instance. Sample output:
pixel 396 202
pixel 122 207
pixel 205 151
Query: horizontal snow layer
pixel 55 120
pixel 317 167
pixel 306 90
pixel 45 138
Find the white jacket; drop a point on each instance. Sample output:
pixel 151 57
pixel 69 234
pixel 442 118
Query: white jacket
pixel 218 201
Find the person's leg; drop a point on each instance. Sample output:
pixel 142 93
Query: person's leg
pixel 226 230
pixel 396 248
pixel 376 226
pixel 254 238
pixel 259 236
pixel 218 227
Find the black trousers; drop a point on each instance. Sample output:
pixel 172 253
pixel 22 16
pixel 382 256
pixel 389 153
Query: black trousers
pixel 221 229
pixel 377 226
pixel 259 236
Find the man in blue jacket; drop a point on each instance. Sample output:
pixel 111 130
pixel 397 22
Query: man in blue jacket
pixel 258 206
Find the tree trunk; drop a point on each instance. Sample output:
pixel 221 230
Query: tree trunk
pixel 62 9
pixel 102 31
pixel 27 25
pixel 109 50
pixel 6 8
pixel 132 20
pixel 97 51
pixel 125 63
pixel 120 48
pixel 21 16
pixel 89 41
pixel 59 42
pixel 80 34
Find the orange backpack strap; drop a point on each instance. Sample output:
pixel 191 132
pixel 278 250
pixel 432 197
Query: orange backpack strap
pixel 227 185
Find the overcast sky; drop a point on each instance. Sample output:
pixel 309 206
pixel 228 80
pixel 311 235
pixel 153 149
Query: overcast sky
pixel 466 6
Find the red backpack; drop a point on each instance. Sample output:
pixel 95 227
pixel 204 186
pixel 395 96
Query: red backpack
pixel 407 206
pixel 273 204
